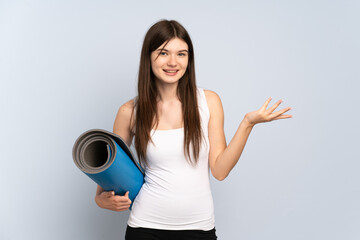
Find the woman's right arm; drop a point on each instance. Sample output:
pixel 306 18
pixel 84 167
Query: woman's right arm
pixel 122 127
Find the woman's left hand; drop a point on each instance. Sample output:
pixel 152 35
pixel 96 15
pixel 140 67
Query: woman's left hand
pixel 266 115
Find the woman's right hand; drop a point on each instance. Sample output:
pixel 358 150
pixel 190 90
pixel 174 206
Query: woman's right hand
pixel 109 200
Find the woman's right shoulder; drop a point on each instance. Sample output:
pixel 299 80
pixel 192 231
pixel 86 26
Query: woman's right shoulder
pixel 129 105
pixel 124 121
pixel 126 110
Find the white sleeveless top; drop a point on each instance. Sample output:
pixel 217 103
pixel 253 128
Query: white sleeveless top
pixel 176 195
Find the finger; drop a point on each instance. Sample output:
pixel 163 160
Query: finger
pixel 122 199
pixel 123 208
pixel 271 109
pixel 278 113
pixel 122 204
pixel 283 117
pixel 266 103
pixel 125 197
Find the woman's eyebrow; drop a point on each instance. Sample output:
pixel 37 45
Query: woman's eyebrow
pixel 160 49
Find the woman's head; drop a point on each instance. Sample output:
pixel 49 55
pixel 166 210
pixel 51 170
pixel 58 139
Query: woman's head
pixel 169 61
pixel 167 36
pixel 158 36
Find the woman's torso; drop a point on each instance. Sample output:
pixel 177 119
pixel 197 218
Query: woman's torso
pixel 175 195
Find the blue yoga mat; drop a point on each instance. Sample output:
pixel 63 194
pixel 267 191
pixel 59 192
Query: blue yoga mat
pixel 107 160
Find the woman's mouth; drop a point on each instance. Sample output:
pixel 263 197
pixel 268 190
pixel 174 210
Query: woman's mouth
pixel 170 72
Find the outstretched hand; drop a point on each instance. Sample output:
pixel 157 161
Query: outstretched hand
pixel 267 115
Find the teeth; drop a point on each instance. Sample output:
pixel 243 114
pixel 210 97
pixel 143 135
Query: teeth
pixel 170 71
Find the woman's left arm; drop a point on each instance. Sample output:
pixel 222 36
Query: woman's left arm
pixel 223 158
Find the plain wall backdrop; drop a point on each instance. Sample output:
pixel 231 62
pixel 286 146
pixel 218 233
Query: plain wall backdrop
pixel 67 66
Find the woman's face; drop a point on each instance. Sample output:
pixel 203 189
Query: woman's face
pixel 170 63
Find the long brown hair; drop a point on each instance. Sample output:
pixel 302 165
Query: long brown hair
pixel 146 104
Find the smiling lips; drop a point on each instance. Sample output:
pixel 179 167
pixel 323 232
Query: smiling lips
pixel 170 72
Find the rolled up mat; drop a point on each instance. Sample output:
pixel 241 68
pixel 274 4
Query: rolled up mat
pixel 107 160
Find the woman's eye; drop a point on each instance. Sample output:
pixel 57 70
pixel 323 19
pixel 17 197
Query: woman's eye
pixel 163 53
pixel 182 54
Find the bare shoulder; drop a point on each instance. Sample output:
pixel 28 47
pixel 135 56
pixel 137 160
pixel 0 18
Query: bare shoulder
pixel 211 95
pixel 128 107
pixel 213 100
pixel 124 120
pixel 126 110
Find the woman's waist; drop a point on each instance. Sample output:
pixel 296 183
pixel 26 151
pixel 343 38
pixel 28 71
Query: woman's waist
pixel 173 208
pixel 176 187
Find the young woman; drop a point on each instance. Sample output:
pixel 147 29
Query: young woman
pixel 179 135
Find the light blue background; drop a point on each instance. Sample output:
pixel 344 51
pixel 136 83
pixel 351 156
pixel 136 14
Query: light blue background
pixel 67 66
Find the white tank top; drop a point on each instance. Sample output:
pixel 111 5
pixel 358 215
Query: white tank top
pixel 176 195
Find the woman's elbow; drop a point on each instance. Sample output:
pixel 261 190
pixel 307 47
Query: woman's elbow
pixel 218 172
pixel 220 177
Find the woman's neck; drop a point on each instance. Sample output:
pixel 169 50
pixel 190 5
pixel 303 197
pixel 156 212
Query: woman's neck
pixel 167 92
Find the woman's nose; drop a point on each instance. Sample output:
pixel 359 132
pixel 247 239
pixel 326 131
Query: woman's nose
pixel 172 60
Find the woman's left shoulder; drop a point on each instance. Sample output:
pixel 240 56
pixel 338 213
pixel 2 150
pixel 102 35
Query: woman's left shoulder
pixel 211 96
pixel 213 101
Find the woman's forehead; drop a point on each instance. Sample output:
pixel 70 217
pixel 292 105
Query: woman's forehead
pixel 174 44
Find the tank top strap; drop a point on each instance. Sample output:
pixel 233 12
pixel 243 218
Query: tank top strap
pixel 203 109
